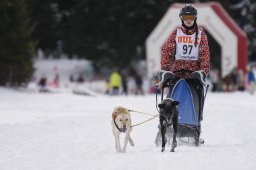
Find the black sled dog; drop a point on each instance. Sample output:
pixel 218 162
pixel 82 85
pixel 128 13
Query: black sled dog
pixel 168 117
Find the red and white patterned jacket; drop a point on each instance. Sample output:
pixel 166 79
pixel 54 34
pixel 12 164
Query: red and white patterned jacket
pixel 168 61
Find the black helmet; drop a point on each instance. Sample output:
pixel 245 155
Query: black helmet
pixel 188 9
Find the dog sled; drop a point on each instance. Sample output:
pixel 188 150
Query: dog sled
pixel 190 93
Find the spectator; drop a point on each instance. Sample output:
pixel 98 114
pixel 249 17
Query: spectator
pixel 56 81
pixel 234 79
pixel 228 83
pixel 214 78
pixel 107 86
pixel 42 84
pixel 81 78
pixel 251 80
pixel 124 84
pixel 115 82
pixel 240 80
pixel 139 83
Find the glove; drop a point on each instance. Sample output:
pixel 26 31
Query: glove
pixel 165 76
pixel 199 75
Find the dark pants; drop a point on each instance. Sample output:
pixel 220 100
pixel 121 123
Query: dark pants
pixel 115 90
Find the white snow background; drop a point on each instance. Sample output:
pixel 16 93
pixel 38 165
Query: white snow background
pixel 64 131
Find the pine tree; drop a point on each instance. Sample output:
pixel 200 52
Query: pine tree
pixel 16 46
pixel 243 12
pixel 110 32
pixel 44 15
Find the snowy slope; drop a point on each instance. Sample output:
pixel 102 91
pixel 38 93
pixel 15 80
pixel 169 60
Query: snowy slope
pixel 66 131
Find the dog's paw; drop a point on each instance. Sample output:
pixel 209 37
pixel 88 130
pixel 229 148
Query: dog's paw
pixel 131 142
pixel 162 150
pixel 118 151
pixel 174 144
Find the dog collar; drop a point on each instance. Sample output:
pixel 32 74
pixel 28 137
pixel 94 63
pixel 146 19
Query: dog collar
pixel 119 129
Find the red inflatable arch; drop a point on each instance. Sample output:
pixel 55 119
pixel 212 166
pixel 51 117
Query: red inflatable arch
pixel 216 21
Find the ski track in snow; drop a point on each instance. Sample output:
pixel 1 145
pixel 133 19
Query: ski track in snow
pixel 63 131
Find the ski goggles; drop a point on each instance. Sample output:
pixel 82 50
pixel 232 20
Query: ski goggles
pixel 188 17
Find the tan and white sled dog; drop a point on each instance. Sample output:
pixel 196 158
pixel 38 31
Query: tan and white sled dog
pixel 121 122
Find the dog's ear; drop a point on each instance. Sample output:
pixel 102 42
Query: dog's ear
pixel 161 105
pixel 175 103
pixel 114 115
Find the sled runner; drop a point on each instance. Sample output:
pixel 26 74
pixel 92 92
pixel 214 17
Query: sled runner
pixel 191 94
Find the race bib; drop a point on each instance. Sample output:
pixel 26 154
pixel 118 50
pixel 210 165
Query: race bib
pixel 185 46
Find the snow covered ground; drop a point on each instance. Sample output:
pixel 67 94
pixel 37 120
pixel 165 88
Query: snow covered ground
pixel 64 131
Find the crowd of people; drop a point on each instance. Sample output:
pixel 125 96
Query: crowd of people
pixel 43 83
pixel 133 82
pixel 123 84
pixel 117 84
pixel 237 80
